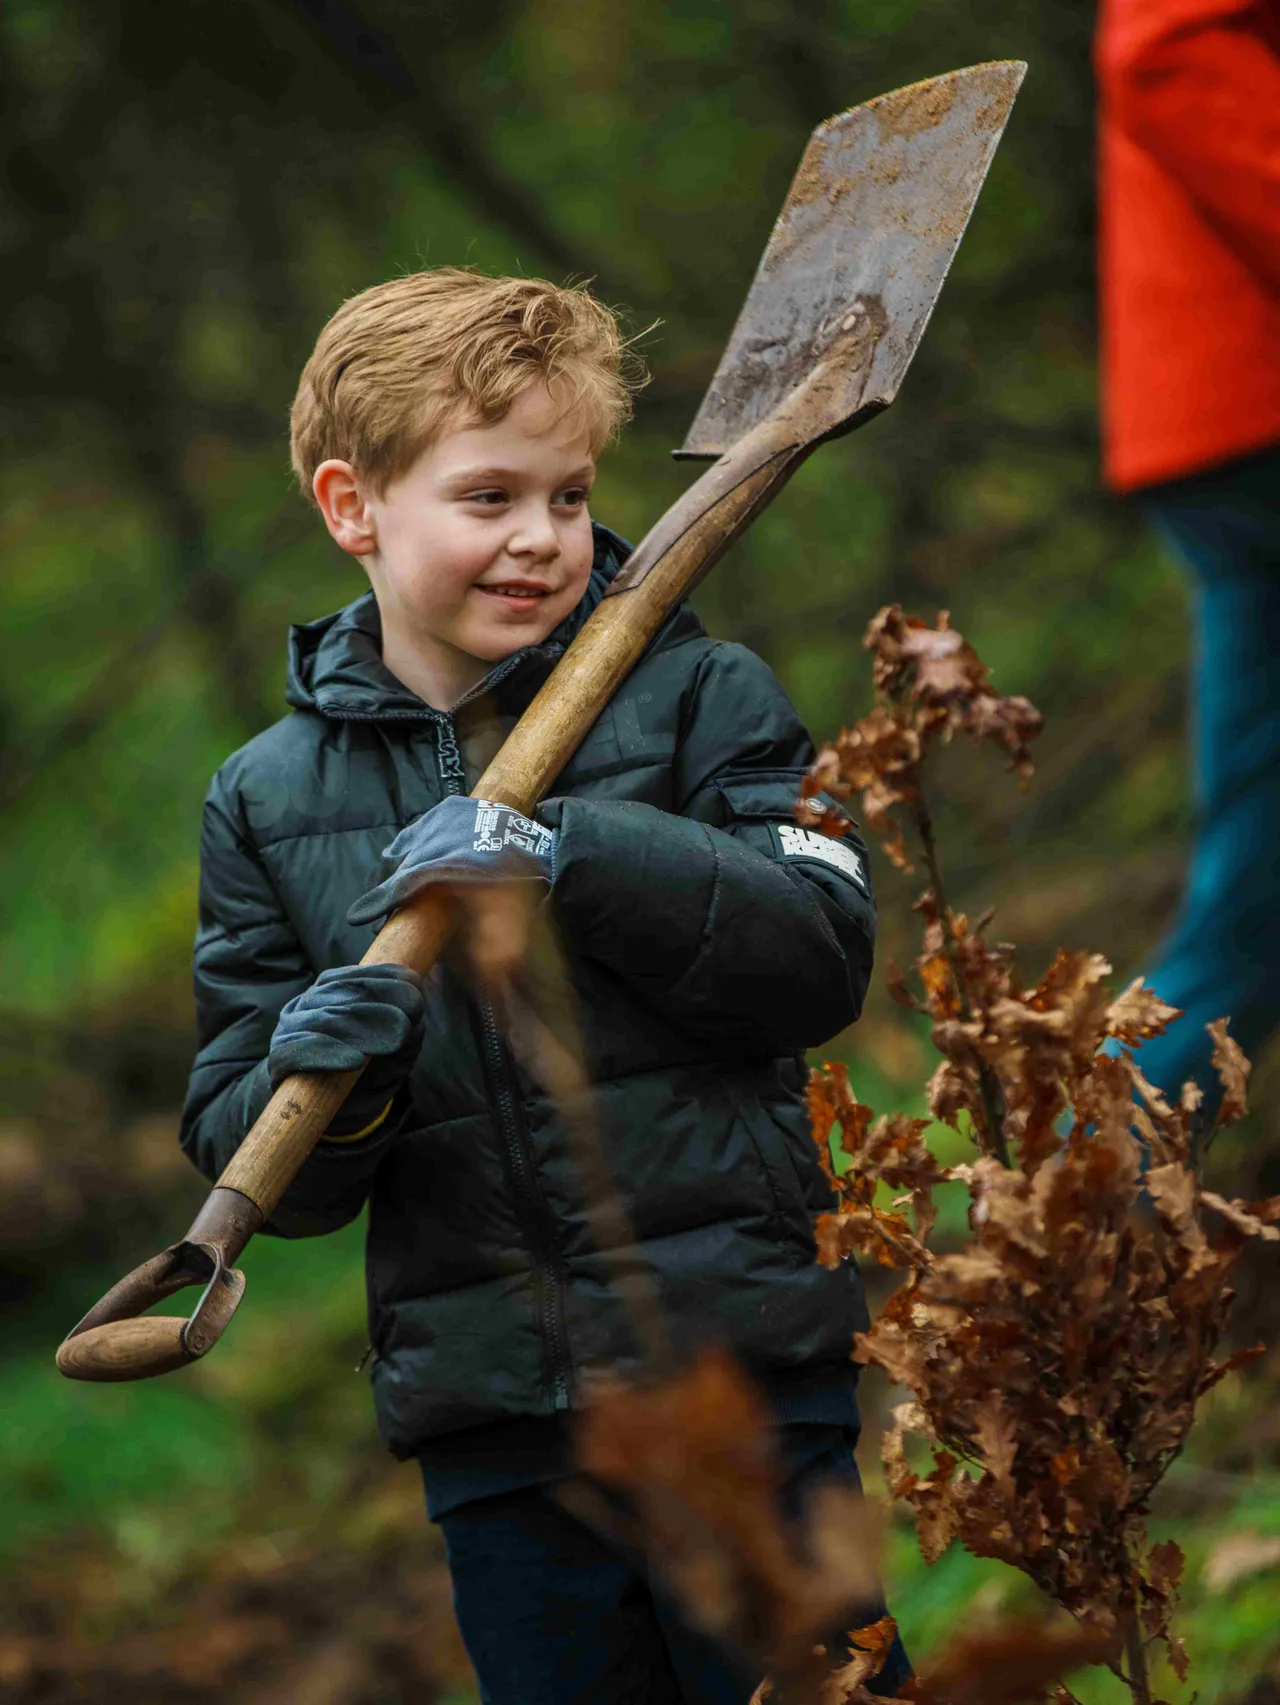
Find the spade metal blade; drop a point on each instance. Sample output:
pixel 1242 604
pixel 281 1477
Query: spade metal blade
pixel 864 241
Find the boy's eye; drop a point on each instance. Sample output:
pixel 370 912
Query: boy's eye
pixel 489 498
pixel 575 496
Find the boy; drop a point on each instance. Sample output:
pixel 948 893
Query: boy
pixel 447 426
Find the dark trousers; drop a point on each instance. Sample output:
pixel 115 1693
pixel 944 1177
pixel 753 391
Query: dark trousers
pixel 1223 955
pixel 553 1614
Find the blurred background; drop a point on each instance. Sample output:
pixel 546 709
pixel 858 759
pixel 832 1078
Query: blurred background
pixel 189 192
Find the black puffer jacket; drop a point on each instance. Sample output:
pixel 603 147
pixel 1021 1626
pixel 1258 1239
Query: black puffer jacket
pixel 710 942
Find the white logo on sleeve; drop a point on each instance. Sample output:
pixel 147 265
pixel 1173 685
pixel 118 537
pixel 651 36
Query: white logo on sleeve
pixel 804 843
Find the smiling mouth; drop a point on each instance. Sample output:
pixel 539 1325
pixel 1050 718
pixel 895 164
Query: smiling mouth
pixel 518 590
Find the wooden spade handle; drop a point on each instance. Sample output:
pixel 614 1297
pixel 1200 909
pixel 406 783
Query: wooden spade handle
pixel 125 1350
pixel 661 571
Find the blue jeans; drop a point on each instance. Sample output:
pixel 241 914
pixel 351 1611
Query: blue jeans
pixel 1223 955
pixel 553 1613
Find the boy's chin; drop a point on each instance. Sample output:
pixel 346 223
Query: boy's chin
pixel 499 640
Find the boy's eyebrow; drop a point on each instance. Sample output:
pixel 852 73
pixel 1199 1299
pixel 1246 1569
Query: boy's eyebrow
pixel 493 471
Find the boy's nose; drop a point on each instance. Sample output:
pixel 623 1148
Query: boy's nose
pixel 535 534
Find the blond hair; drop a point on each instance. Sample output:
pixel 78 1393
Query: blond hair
pixel 403 360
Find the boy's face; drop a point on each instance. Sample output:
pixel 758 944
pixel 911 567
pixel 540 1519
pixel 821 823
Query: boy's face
pixel 483 546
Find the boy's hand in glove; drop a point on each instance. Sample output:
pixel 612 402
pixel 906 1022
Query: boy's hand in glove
pixel 348 1015
pixel 461 840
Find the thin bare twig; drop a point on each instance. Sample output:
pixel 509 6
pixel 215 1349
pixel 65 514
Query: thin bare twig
pixel 1138 1678
pixel 988 1083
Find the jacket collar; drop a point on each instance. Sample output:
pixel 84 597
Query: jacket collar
pixel 336 667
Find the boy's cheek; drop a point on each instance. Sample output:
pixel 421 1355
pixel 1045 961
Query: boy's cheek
pixel 582 555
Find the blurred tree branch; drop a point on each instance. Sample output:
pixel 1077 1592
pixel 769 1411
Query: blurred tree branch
pixel 426 99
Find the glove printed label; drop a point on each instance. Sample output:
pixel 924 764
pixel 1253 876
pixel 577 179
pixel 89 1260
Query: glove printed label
pixel 498 827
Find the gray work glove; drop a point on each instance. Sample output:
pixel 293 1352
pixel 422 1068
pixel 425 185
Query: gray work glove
pixel 460 840
pixel 348 1015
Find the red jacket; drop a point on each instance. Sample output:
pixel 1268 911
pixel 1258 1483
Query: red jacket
pixel 1189 96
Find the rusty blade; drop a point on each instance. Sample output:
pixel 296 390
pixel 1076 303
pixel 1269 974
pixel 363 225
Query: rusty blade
pixel 865 239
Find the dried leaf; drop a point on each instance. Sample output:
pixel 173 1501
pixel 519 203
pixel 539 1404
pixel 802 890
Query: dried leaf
pixel 937 1512
pixel 869 1649
pixel 996 1434
pixel 1238 1359
pixel 906 1417
pixel 1138 1014
pixel 1007 1665
pixel 1233 1073
pixel 1254 1219
pixel 1166 1564
pixel 1178 1659
pixel 1162 1571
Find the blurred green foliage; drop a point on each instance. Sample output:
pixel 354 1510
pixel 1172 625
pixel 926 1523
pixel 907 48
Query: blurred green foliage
pixel 190 191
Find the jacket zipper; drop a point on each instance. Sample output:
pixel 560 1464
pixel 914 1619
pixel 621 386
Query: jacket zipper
pixel 548 1270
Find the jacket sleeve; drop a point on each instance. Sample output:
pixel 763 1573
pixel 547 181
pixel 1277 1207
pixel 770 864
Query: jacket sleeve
pixel 738 926
pixel 248 963
pixel 1196 83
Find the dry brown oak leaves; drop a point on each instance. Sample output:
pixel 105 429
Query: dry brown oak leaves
pixel 1056 1360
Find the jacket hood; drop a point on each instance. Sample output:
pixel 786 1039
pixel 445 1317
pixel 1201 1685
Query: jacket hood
pixel 336 667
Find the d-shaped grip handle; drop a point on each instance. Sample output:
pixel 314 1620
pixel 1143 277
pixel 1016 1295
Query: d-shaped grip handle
pixel 126 1349
pixel 117 1340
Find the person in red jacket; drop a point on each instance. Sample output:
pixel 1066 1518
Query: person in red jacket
pixel 1189 252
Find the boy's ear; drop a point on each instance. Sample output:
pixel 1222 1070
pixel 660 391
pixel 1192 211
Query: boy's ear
pixel 341 501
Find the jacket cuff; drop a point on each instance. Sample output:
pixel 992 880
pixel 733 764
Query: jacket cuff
pixel 332 1136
